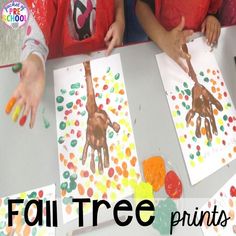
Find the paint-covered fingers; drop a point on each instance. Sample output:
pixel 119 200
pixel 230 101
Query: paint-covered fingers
pixel 116 127
pixel 85 151
pixel 100 163
pixel 213 125
pixel 215 102
pixel 189 116
pixel 92 162
pixel 25 114
pixel 33 115
pixel 106 156
pixel 198 127
pixel 10 105
pixel 208 129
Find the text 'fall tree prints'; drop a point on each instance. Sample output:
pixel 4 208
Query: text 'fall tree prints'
pixel 210 218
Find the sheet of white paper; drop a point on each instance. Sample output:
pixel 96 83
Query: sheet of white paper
pixel 78 180
pixel 224 199
pixel 202 157
pixel 19 226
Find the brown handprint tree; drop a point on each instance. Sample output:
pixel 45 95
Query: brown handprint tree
pixel 202 102
pixel 97 124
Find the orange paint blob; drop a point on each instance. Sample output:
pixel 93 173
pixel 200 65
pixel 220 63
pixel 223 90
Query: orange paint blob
pixel 154 171
pixel 215 112
pixel 125 173
pixel 128 152
pixel 10 105
pixel 68 209
pixel 133 161
pixel 219 96
pixel 203 131
pixel 122 92
pixel 180 96
pixel 108 183
pixel 62 157
pixel 80 189
pixel 213 89
pixel 72 155
pixel 118 170
pixel 124 165
pixel 235 149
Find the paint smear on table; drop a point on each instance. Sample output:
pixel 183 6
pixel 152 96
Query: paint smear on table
pixel 86 122
pixel 203 156
pixel 224 199
pixel 19 226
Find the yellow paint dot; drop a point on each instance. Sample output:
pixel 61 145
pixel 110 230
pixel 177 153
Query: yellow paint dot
pixel 3 212
pixel 200 159
pixel 220 121
pixel 218 140
pixel 132 146
pixel 121 155
pixel 182 139
pixel 23 195
pixel 133 183
pixel 113 196
pixel 132 172
pixel 116 88
pixel 101 187
pixel 125 182
pixel 125 138
pixel 192 163
pixel 113 184
pixel 191 132
pixel 143 191
pixel 177 126
pixel 174 114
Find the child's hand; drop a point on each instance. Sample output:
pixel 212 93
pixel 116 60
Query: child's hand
pixel 172 41
pixel 211 29
pixel 114 36
pixel 29 91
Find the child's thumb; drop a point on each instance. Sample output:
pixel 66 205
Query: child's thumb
pixel 181 25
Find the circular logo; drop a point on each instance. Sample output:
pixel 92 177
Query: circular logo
pixel 15 14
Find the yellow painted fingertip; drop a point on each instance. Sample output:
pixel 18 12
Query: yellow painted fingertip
pixel 16 113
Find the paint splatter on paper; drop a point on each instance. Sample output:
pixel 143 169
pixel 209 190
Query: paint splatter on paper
pixel 225 200
pixel 19 226
pixel 97 153
pixel 202 111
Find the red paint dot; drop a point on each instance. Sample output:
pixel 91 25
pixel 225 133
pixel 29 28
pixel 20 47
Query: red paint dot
pixel 186 97
pixel 119 107
pixel 110 172
pixel 221 194
pixel 105 87
pixel 29 29
pixel 233 191
pixel 104 196
pixel 79 134
pixel 90 192
pixel 225 94
pixel 67 112
pixel 72 131
pixel 223 142
pixel 40 193
pixel 78 101
pixel 76 123
pixel 108 101
pixel 189 145
pixel 70 165
pixel 97 94
pixel 234 128
pixel 173 97
pixel 100 107
pixel 86 174
pixel 222 83
pixel 198 148
pixel 36 42
pixel 230 119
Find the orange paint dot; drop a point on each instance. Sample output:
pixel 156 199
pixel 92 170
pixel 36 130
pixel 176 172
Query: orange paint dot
pixel 27 230
pixel 65 162
pixel 125 173
pixel 124 165
pixel 128 152
pixel 118 186
pixel 62 157
pixel 116 178
pixel 75 107
pixel 112 148
pixel 215 112
pixel 95 79
pixel 119 170
pixel 68 209
pixel 229 155
pixel 80 189
pixel 219 96
pixel 122 92
pixel 208 71
pixel 72 155
pixel 203 131
pixel 63 193
pixel 116 161
pixel 235 149
pixel 108 183
pixel 133 161
pixel 213 89
pixel 180 96
pixel 177 107
pixel 192 123
pixel 218 89
pixel 91 178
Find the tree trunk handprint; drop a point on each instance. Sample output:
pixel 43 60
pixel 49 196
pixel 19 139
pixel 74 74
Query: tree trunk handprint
pixel 202 102
pixel 97 124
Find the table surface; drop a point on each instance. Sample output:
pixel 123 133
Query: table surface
pixel 29 157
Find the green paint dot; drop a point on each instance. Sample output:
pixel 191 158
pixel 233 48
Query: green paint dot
pixel 222 128
pixel 75 86
pixel 60 108
pixel 62 125
pixel 69 105
pixel 229 104
pixel 46 123
pixel 117 76
pixel 206 79
pixel 201 73
pixel 225 117
pixel 162 215
pixel 34 231
pixel 83 113
pixel 83 98
pixel 111 134
pixel 69 190
pixel 73 143
pixel 73 177
pixel 191 156
pixel 187 107
pixel 63 91
pixel 66 174
pixel 100 95
pixel 182 91
pixel 108 69
pixel 112 90
pixel 2 224
pixel 209 144
pixel 72 92
pixel 198 153
pixel 6 201
pixel 178 113
pixel 17 67
pixel 60 99
pixel 177 88
pixel 64 186
pixel 188 92
pixel 184 104
pixel 67 200
pixel 32 195
pixel 185 85
pixel 194 139
pixel 73 185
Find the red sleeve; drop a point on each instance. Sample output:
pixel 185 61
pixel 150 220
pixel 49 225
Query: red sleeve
pixel 214 6
pixel 44 13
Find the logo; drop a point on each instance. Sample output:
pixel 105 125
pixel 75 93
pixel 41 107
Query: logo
pixel 14 14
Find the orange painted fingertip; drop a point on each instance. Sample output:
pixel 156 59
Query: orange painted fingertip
pixel 10 105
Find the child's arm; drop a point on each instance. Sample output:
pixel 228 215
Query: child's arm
pixel 114 36
pixel 169 41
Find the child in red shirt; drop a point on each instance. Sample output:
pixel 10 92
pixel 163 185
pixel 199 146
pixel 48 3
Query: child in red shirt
pixel 173 21
pixel 59 28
